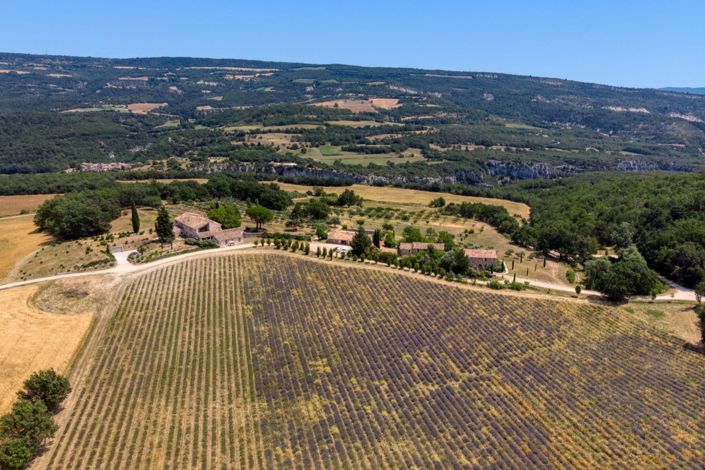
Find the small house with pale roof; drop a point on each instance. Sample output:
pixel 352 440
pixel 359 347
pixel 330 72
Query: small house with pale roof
pixel 201 228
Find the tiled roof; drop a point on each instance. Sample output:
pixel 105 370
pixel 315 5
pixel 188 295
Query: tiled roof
pixel 228 234
pixel 420 246
pixel 192 220
pixel 482 254
pixel 346 235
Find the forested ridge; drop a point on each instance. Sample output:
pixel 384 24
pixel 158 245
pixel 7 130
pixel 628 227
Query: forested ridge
pixel 465 127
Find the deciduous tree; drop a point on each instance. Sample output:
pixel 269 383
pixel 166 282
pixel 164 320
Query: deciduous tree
pixel 48 386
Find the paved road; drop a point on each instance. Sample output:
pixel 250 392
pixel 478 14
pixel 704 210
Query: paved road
pixel 124 267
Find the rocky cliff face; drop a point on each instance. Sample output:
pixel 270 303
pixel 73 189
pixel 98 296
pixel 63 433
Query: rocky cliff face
pixel 531 170
pixel 490 171
pixel 639 165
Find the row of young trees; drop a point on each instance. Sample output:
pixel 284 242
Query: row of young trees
pixel 30 423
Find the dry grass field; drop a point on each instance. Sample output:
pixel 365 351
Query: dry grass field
pixel 144 108
pixel 18 239
pixel 13 205
pixel 362 123
pixel 269 361
pixel 32 338
pixel 413 197
pixel 676 318
pixel 57 258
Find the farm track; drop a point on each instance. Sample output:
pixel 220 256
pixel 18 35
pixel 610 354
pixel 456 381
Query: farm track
pixel 122 270
pixel 265 361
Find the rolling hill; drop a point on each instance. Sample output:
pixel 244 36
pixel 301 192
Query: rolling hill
pixel 388 124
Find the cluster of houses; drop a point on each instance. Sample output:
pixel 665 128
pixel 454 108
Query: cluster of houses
pixel 200 228
pixel 479 258
pixel 100 167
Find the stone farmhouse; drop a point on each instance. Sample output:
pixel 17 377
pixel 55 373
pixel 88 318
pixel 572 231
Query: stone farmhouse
pixel 198 227
pixel 481 259
pixel 344 237
pixel 414 247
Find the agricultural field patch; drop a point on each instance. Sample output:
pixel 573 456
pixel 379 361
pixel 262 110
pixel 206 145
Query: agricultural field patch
pixel 32 338
pixel 14 205
pixel 361 106
pixel 270 138
pixel 269 361
pixel 144 108
pixel 48 259
pixel 329 154
pixel 281 128
pixel 18 239
pixel 358 124
pixel 415 197
pixel 676 318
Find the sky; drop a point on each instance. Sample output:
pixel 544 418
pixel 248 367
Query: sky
pixel 638 43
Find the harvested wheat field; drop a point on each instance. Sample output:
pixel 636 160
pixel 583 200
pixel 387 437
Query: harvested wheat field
pixel 18 238
pixel 13 205
pixel 32 338
pixel 267 361
pixel 362 106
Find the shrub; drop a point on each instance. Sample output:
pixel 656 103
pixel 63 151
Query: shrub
pixel 570 276
pixel 495 284
pixel 700 311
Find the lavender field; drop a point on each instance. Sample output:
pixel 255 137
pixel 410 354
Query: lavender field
pixel 272 361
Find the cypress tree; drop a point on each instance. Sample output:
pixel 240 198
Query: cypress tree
pixel 135 218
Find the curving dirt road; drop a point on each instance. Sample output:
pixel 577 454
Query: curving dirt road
pixel 125 268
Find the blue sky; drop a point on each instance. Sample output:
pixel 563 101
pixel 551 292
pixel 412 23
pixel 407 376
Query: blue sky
pixel 630 43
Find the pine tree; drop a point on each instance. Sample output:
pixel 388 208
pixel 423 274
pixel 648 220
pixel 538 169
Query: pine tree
pixel 135 218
